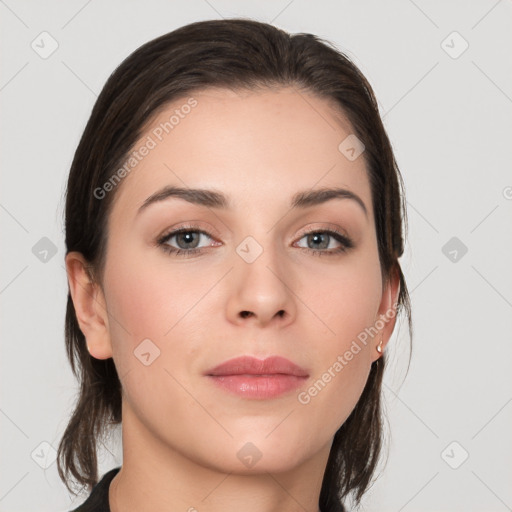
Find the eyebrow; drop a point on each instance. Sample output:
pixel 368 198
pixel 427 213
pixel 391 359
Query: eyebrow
pixel 214 199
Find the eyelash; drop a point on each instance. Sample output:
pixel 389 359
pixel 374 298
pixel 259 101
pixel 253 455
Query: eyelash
pixel 346 243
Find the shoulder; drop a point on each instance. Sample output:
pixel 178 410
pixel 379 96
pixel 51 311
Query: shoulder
pixel 98 499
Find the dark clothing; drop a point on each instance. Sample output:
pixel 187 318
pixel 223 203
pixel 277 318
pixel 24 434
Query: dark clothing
pixel 98 499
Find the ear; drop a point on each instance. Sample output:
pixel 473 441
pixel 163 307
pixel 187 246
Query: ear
pixel 90 306
pixel 386 318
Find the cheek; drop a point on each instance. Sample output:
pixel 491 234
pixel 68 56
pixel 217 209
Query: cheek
pixel 344 298
pixel 152 297
pixel 343 356
pixel 146 302
pixel 150 314
pixel 346 304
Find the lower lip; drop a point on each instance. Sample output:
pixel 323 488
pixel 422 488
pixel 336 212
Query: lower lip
pixel 258 386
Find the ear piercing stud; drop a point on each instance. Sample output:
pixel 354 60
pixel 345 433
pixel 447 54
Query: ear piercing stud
pixel 379 346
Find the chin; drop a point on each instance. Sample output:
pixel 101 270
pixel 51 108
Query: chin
pixel 257 454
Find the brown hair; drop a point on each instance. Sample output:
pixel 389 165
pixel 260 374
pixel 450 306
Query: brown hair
pixel 235 54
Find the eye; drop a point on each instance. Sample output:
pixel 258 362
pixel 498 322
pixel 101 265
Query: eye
pixel 322 239
pixel 187 239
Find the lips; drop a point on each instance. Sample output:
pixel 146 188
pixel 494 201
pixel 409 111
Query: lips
pixel 248 365
pixel 256 379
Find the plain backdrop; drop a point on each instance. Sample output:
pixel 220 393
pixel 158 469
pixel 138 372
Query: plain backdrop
pixel 442 73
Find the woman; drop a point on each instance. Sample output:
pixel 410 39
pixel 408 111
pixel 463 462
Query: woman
pixel 219 162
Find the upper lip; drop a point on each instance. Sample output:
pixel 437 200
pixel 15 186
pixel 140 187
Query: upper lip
pixel 253 366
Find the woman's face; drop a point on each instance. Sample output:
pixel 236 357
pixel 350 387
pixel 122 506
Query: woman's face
pixel 173 317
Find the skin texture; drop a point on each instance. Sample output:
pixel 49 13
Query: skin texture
pixel 181 434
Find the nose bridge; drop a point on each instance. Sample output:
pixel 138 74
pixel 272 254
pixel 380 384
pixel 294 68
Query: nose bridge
pixel 261 278
pixel 260 257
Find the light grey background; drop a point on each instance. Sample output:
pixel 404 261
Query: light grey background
pixel 449 120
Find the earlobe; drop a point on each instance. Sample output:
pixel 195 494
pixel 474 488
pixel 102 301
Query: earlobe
pixel 90 306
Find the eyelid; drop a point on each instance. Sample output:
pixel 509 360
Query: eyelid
pixel 325 227
pixel 210 231
pixel 191 226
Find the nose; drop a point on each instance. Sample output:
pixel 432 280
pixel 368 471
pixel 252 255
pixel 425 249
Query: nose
pixel 261 292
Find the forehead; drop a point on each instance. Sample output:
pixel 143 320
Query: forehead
pixel 259 146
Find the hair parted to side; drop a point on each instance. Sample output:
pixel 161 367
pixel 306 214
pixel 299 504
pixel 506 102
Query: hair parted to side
pixel 236 54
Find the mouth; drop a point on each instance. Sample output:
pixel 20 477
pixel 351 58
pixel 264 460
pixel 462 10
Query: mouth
pixel 254 378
